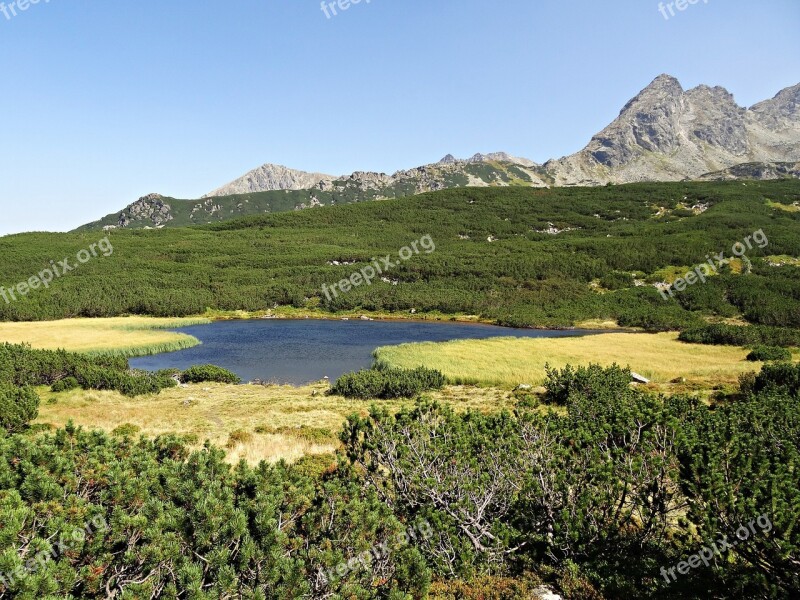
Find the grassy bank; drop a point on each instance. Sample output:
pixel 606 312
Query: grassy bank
pixel 254 422
pixel 290 312
pixel 122 336
pixel 511 361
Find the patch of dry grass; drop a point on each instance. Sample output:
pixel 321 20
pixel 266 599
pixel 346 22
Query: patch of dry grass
pixel 285 422
pixel 128 336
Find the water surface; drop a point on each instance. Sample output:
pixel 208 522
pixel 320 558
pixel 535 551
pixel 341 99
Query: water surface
pixel 300 351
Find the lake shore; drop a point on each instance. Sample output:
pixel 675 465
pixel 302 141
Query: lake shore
pixel 288 312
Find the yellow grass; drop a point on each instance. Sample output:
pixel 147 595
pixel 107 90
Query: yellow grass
pixel 598 324
pixel 784 207
pixel 284 414
pixel 510 361
pixel 130 336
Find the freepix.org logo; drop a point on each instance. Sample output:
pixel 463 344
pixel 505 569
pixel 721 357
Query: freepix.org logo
pixel 330 8
pixel 12 9
pixel 55 270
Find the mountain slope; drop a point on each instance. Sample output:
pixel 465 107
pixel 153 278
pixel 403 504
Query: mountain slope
pixel 514 255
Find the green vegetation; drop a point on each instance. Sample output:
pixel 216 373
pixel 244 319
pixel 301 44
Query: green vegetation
pixel 22 366
pixel 765 353
pixel 604 495
pixel 522 278
pixel 736 335
pixel 18 407
pixel 388 383
pixel 65 385
pixel 616 280
pixel 202 373
pixel 597 491
pixel 166 522
pixel 594 487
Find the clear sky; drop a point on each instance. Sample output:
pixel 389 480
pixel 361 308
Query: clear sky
pixel 103 102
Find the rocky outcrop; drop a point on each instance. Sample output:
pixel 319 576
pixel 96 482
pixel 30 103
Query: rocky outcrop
pixel 151 209
pixel 756 171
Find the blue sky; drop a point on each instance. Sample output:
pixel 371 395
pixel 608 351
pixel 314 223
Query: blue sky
pixel 104 102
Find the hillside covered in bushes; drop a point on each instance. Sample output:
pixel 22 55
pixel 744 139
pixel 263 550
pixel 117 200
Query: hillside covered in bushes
pixel 515 256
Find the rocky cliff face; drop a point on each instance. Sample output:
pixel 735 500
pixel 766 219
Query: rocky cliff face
pixel 666 134
pixel 270 177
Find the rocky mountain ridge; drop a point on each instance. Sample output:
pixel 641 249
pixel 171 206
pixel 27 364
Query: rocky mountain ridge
pixel 664 133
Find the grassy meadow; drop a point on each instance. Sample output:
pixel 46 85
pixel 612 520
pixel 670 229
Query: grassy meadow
pixel 122 336
pixel 510 361
pixel 252 422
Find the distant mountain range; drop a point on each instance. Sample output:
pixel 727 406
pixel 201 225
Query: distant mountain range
pixel 665 133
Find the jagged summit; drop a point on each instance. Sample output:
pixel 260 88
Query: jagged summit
pixel 492 156
pixel 666 133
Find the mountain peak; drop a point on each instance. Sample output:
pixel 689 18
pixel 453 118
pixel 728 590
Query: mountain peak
pixel 448 160
pixel 270 177
pixel 665 79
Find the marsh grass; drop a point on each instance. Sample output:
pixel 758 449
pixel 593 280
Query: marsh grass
pixel 511 361
pixel 120 336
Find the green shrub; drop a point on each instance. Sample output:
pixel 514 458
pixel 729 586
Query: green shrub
pixel 20 365
pixel 617 280
pixel 563 385
pixel 126 430
pixel 778 376
pixel 18 407
pixel 203 373
pixel 168 378
pixel 765 353
pixel 388 383
pixel 66 384
pixel 737 335
pixel 239 436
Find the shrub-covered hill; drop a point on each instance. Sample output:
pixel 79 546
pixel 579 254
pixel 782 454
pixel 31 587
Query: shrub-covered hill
pixel 518 256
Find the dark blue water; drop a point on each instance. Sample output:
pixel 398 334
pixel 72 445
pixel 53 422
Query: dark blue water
pixel 297 352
